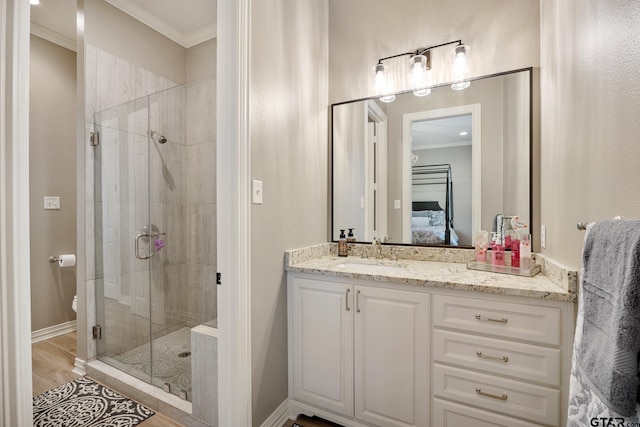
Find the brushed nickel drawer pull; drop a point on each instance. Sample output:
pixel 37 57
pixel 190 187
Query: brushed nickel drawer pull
pixel 504 359
pixel 357 301
pixel 493 396
pixel 488 319
pixel 347 300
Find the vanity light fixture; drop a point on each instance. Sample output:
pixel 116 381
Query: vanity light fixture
pixel 420 68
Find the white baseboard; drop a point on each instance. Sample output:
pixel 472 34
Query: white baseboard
pixel 279 416
pixel 53 331
pixel 79 367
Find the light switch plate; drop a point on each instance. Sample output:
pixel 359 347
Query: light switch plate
pixel 256 192
pixel 396 204
pixel 51 202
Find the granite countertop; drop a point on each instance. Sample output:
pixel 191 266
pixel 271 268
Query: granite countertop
pixel 437 274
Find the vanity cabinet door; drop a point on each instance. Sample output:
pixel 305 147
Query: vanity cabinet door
pixel 391 357
pixel 322 344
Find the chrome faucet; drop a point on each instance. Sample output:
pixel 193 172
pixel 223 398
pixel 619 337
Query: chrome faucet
pixel 377 244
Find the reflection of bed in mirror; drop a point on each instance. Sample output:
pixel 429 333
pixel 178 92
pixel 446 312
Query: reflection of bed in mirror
pixel 430 223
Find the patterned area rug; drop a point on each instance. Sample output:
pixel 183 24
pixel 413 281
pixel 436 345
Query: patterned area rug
pixel 83 402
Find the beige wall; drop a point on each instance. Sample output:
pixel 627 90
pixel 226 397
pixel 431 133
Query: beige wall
pixel 201 60
pixel 503 35
pixel 589 92
pixel 52 173
pixel 289 151
pixel 115 32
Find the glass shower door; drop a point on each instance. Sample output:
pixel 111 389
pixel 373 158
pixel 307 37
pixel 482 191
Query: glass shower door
pixel 125 238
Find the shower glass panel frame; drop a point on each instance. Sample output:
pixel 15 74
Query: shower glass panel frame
pixel 140 226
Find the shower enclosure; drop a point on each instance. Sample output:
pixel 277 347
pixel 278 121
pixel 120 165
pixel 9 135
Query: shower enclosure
pixel 155 232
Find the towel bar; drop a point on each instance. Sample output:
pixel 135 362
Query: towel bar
pixel 583 225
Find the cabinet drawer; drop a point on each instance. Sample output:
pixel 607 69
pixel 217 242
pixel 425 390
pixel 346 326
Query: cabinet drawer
pixel 503 319
pixel 519 360
pixel 449 414
pixel 530 402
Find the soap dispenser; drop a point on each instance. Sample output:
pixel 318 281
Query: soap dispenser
pixel 342 244
pixel 350 237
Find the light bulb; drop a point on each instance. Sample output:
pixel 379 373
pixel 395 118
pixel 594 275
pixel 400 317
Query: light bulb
pixel 34 2
pixel 387 98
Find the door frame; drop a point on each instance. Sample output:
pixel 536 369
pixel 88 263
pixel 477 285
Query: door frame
pixel 234 383
pixel 233 214
pixel 476 156
pixel 15 273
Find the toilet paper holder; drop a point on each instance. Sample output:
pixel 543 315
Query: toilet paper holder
pixel 64 260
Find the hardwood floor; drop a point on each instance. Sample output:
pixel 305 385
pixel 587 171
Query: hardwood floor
pixel 52 362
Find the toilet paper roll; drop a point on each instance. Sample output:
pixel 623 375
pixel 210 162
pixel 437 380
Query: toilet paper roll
pixel 67 260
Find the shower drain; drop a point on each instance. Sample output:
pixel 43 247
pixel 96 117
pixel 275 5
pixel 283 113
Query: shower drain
pixel 184 354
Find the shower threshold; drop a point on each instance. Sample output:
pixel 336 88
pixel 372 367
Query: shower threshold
pixel 169 364
pixel 136 389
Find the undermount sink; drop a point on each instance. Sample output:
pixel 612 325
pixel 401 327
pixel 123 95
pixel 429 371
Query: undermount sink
pixel 384 267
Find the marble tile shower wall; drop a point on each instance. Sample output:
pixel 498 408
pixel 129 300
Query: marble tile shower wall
pixel 172 185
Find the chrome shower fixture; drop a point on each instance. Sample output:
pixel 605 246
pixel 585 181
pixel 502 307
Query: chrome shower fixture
pixel 157 137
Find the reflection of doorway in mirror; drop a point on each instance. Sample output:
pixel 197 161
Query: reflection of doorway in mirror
pixel 375 197
pixel 447 144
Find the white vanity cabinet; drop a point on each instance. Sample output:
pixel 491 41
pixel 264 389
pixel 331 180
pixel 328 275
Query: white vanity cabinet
pixel 371 353
pixel 359 351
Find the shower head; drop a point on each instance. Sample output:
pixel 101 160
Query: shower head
pixel 157 137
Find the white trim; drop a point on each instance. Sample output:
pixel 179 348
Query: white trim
pixel 15 300
pixel 279 416
pixel 79 367
pixel 53 37
pixel 53 331
pixel 476 158
pixel 185 39
pixel 233 214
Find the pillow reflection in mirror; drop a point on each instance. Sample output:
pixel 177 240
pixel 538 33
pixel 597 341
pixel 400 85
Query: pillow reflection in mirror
pixel 434 217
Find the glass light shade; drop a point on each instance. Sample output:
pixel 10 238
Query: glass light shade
pixel 461 85
pixel 387 98
pixel 422 92
pixel 418 66
pixel 460 67
pixel 380 84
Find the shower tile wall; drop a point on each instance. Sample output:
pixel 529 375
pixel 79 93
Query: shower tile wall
pixel 181 202
pixel 201 200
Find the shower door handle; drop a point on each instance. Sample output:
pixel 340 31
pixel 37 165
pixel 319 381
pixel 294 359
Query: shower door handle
pixel 137 247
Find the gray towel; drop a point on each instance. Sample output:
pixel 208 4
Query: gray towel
pixel 608 354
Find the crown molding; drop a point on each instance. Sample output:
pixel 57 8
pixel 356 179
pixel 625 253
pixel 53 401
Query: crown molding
pixel 185 40
pixel 53 37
